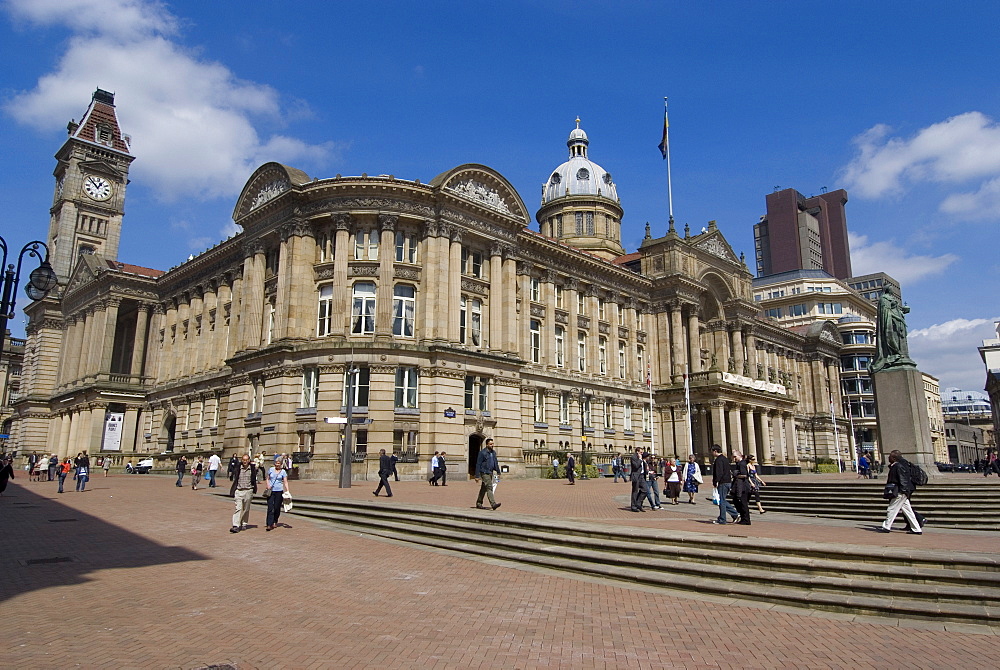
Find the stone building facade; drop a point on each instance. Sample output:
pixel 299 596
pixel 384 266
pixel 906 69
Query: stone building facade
pixel 462 322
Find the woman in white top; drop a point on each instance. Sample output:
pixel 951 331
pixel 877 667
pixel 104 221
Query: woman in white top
pixel 671 472
pixel 277 484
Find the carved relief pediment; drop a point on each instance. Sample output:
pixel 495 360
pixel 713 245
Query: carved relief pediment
pixel 717 246
pixel 267 183
pixel 484 187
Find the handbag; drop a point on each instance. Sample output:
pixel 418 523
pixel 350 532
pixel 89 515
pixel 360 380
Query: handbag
pixel 891 491
pixel 267 493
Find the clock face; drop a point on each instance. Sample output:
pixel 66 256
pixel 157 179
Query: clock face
pixel 97 188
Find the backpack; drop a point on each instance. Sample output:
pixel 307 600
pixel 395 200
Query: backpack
pixel 917 475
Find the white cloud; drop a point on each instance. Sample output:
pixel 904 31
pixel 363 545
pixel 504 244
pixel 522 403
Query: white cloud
pixel 193 122
pixel 949 351
pixel 886 256
pixel 963 149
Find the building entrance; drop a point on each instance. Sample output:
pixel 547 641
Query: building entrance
pixel 475 442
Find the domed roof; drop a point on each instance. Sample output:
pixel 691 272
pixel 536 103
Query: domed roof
pixel 579 175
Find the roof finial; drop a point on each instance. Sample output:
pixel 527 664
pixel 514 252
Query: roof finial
pixel 578 121
pixel 649 235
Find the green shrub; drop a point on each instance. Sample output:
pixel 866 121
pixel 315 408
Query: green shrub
pixel 827 467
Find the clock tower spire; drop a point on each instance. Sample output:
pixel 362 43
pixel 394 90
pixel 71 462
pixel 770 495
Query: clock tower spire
pixel 91 175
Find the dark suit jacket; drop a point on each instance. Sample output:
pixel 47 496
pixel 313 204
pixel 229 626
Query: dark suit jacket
pixel 635 461
pixel 384 465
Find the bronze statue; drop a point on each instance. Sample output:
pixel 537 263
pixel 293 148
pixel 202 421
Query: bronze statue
pixel 891 349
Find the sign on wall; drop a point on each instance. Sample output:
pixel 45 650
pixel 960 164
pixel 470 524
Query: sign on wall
pixel 113 422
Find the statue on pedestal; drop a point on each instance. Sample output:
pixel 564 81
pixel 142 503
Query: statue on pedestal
pixel 891 349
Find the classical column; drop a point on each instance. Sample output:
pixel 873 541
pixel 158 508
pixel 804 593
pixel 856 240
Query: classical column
pixel 694 340
pixel 341 308
pixel 139 341
pixel 573 327
pixel 62 449
pixel 678 361
pixel 735 431
pixel 152 366
pixel 789 430
pixel 283 292
pixel 430 302
pixel 751 347
pixel 511 323
pixel 549 324
pixel 738 349
pixel 384 289
pixel 767 439
pixel 74 348
pixel 719 423
pixel 496 300
pixel 778 434
pixel 752 446
pixel 706 438
pixel 455 271
pixel 253 296
pixel 194 349
pixel 522 330
pixel 107 342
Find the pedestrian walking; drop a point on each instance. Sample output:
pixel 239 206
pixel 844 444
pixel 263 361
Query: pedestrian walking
pixel 233 467
pixel 692 478
pixel 443 462
pixel 53 467
pixel 435 469
pixel 32 467
pixel 107 465
pixel 639 486
pixel 555 468
pixel 570 466
pixel 182 464
pixel 392 461
pixel 197 470
pixel 652 485
pixel 618 469
pixel 741 487
pixel 672 472
pixel 82 471
pixel 863 467
pixel 487 469
pixel 6 473
pixel 755 483
pixel 64 469
pixel 213 469
pixel 384 469
pixel 243 489
pixel 899 485
pixel 277 484
pixel 722 480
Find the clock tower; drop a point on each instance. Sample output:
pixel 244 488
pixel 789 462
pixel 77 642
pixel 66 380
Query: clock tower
pixel 91 176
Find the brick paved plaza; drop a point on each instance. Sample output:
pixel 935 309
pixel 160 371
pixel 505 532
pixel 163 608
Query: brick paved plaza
pixel 154 579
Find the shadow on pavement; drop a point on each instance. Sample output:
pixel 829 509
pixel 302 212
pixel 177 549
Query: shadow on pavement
pixel 45 543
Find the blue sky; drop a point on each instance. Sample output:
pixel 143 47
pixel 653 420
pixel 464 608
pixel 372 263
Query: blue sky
pixel 898 106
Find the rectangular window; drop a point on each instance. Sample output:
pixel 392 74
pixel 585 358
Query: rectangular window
pixel 830 308
pixel 366 245
pixel 581 303
pixel 579 223
pixel 536 341
pixel 640 361
pixel 324 247
pixel 560 297
pixel 362 385
pixel 559 225
pixel 647 418
pixel 539 406
pixel 361 441
pixel 363 309
pixel 627 415
pixel 590 223
pixel 477 393
pixel 602 355
pixel 581 351
pixel 535 289
pixel 798 310
pixel 638 321
pixel 470 321
pixel 560 347
pixel 621 315
pixel 774 313
pixel 601 310
pixel 268 338
pixel 608 415
pixel 406 248
pixel 310 387
pixel 564 408
pixel 406 387
pixel 403 306
pixel 585 413
pixel 622 359
pixel 472 263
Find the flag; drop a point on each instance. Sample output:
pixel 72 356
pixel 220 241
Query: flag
pixel 649 379
pixel 665 142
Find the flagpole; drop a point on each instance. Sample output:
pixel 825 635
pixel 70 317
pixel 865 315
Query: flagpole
pixel 687 407
pixel 666 142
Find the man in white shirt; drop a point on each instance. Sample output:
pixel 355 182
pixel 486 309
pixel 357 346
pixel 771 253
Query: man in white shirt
pixel 213 467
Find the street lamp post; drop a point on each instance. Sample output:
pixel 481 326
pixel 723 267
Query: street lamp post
pixel 41 280
pixel 347 456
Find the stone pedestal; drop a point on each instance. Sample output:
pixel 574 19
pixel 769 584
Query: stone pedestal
pixel 902 417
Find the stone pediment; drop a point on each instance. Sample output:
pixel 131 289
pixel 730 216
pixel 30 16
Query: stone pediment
pixel 86 270
pixel 485 187
pixel 715 244
pixel 101 167
pixel 268 182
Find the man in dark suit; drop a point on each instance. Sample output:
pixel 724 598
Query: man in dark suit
pixel 384 470
pixel 722 480
pixel 443 464
pixel 639 486
pixel 570 464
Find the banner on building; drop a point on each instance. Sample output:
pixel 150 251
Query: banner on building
pixel 113 422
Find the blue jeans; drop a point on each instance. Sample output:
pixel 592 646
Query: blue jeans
pixel 81 482
pixel 211 478
pixel 653 493
pixel 62 479
pixel 180 477
pixel 724 504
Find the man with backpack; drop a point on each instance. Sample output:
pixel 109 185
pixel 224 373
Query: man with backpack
pixel 904 478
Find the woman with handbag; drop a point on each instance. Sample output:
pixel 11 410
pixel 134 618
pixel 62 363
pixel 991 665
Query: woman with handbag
pixel 672 472
pixel 755 483
pixel 277 484
pixel 196 472
pixel 692 478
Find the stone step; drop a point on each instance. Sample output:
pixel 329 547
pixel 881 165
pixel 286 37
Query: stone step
pixel 932 585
